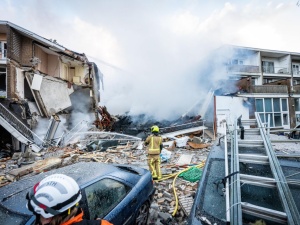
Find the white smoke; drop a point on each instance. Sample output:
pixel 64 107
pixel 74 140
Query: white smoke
pixel 151 52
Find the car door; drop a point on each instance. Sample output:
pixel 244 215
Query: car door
pixel 106 198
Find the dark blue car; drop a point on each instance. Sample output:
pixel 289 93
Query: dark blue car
pixel 121 194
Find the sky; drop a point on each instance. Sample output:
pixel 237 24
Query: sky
pixel 151 51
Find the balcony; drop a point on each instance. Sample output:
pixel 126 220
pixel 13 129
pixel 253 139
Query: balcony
pixel 276 89
pixel 277 71
pixel 296 89
pixel 242 69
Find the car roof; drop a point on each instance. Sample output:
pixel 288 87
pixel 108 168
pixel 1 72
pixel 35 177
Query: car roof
pixel 83 172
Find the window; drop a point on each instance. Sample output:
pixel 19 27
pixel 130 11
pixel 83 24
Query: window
pixel 297 104
pixel 235 62
pixel 295 69
pixel 103 196
pixel 268 67
pixel 273 109
pixel 2 82
pixel 3 49
pixel 284 104
pixel 259 105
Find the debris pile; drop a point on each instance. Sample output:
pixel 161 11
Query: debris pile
pixel 173 197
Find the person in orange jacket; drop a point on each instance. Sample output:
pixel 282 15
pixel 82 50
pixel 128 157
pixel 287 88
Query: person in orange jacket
pixel 54 201
pixel 154 143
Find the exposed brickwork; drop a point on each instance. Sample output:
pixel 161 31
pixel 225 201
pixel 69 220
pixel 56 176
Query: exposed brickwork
pixel 8 77
pixel 11 81
pixel 15 45
pixel 26 53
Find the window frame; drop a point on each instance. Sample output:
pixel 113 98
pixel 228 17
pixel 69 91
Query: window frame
pixel 274 115
pixel 85 193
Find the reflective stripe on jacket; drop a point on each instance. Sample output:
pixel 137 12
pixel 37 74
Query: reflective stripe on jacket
pixel 77 220
pixel 154 144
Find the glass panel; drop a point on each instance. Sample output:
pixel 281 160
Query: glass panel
pixel 277 119
pixel 276 104
pixel 297 118
pixel 262 117
pixel 285 119
pixel 297 104
pixel 103 196
pixel 259 105
pixel 284 104
pixel 2 81
pixel 268 105
pixel 271 119
pixel 268 67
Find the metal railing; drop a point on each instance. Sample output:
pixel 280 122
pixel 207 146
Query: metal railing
pixel 269 89
pixel 20 126
pixel 275 70
pixel 285 194
pixel 243 68
pixel 235 190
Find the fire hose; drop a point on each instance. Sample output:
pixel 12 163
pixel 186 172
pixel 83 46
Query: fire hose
pixel 175 175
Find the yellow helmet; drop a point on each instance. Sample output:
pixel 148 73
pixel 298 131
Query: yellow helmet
pixel 154 129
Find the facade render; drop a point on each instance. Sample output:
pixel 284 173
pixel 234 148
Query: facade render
pixel 267 81
pixel 40 78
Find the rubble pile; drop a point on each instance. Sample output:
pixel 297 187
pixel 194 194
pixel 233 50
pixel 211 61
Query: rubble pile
pixel 26 164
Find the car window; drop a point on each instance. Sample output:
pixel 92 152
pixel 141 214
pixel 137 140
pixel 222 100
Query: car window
pixel 103 196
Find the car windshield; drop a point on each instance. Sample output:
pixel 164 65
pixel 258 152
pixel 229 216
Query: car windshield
pixel 12 218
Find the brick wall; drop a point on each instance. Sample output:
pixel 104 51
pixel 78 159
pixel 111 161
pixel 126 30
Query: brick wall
pixel 11 80
pixel 14 45
pixel 26 53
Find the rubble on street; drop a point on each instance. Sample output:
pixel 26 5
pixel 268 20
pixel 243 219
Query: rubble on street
pixel 22 165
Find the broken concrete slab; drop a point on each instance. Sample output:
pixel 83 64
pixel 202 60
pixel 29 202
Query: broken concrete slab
pixel 185 159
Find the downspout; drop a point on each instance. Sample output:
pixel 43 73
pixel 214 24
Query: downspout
pixel 261 69
pixel 292 75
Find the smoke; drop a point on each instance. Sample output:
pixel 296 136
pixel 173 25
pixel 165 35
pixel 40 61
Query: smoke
pixel 157 57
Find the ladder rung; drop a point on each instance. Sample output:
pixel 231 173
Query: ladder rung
pixel 256 159
pixel 250 143
pixel 264 213
pixel 258 181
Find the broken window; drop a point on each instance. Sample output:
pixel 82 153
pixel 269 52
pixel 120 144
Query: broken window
pixel 2 82
pixel 103 196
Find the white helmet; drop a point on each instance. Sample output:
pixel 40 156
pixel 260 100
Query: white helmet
pixel 53 195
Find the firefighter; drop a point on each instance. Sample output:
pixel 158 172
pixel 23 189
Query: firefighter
pixel 154 143
pixel 54 201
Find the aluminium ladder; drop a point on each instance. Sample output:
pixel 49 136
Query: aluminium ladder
pixel 289 214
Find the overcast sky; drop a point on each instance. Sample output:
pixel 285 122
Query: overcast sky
pixel 150 50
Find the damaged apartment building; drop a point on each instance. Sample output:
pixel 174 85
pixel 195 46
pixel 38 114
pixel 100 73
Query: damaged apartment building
pixel 264 81
pixel 41 79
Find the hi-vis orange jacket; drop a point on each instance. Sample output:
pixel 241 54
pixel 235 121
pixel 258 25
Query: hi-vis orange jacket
pixel 77 220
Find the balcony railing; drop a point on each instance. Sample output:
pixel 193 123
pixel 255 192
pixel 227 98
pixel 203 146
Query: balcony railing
pixel 296 89
pixel 243 68
pixel 275 70
pixel 269 89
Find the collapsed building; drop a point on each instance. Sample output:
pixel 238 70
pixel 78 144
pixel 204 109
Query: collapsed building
pixel 40 78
